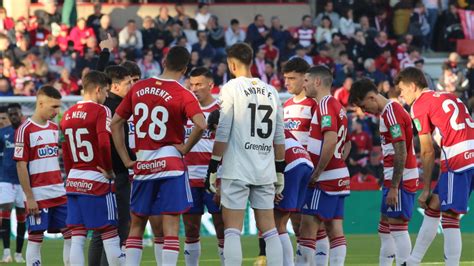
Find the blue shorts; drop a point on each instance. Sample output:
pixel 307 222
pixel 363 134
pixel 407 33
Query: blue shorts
pixel 404 209
pixel 161 196
pixel 326 207
pixel 296 184
pixel 203 198
pixel 51 220
pixel 454 190
pixel 91 212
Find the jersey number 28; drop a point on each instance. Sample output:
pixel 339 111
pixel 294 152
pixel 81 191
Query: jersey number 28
pixel 155 121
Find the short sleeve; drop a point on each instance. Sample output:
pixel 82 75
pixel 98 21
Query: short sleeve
pixel 191 105
pixel 124 110
pixel 227 113
pixel 328 115
pixel 279 133
pixel 104 118
pixel 22 145
pixel 395 123
pixel 421 119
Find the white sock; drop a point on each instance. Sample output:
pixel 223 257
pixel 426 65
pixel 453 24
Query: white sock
pixel 273 247
pixel 67 252
pixel 6 252
pixel 192 252
pixel 400 235
pixel 33 249
pixel 77 250
pixel 305 252
pixel 426 235
pixel 452 241
pixel 158 247
pixel 288 258
pixel 321 257
pixel 170 251
pixel 232 247
pixel 337 254
pixel 134 248
pixel 220 252
pixel 387 245
pixel 115 256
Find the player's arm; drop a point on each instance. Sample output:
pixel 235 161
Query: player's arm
pixel 200 125
pixel 327 151
pixel 427 155
pixel 24 177
pixel 399 160
pixel 279 146
pixel 346 150
pixel 118 135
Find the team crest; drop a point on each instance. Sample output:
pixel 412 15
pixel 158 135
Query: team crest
pixel 395 131
pixel 326 121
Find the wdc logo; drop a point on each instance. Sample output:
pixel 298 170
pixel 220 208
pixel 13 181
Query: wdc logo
pixel 48 151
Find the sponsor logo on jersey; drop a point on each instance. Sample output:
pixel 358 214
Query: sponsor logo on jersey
pixel 80 185
pixel 39 139
pixel 395 131
pixel 417 124
pixel 469 155
pixel 9 144
pixel 298 150
pixel 292 124
pixel 48 151
pixel 261 148
pixel 154 166
pixel 344 182
pixel 326 121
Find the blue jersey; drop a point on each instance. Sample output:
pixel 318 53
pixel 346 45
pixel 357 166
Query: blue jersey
pixel 7 147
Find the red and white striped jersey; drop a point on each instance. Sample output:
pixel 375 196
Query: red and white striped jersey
pixel 38 146
pixel 86 128
pixel 395 126
pixel 297 117
pixel 330 116
pixel 305 36
pixel 160 110
pixel 295 154
pixel 197 160
pixel 450 116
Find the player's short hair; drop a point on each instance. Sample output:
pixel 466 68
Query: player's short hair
pixel 94 79
pixel 49 91
pixel 296 64
pixel 242 52
pixel 132 68
pixel 13 105
pixel 323 73
pixel 3 109
pixel 411 74
pixel 201 71
pixel 116 74
pixel 360 89
pixel 177 58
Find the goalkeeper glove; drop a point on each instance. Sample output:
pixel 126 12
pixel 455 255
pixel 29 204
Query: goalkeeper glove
pixel 280 183
pixel 211 177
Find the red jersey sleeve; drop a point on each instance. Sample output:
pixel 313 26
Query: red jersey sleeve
pixel 419 113
pixel 191 105
pixel 124 110
pixel 22 143
pixel 328 115
pixel 395 123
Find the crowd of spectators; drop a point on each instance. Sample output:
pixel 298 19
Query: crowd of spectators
pixel 38 50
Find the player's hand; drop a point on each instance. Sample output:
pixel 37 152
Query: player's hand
pixel 280 183
pixel 32 207
pixel 278 198
pixel 107 43
pixel 314 178
pixel 392 197
pixel 423 199
pixel 108 175
pixel 217 196
pixel 181 148
pixel 130 164
pixel 211 182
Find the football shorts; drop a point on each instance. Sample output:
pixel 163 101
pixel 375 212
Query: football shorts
pixel 11 193
pixel 201 199
pixel 235 193
pixel 91 212
pixel 296 184
pixel 322 205
pixel 50 219
pixel 454 190
pixel 403 210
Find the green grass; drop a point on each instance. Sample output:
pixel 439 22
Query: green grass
pixel 362 250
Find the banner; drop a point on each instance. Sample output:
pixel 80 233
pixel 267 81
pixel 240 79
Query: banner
pixel 467 22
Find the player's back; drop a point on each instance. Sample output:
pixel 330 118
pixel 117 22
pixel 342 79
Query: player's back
pixel 297 117
pixel 82 124
pixel 257 118
pixel 450 116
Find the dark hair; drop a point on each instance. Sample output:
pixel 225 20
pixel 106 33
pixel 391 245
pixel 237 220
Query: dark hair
pixel 305 17
pixel 177 58
pixel 201 5
pixel 3 109
pixel 234 21
pixel 323 73
pixel 269 36
pixel 95 79
pixel 131 21
pixel 270 63
pixel 116 73
pixel 360 89
pixel 296 64
pixel 411 74
pixel 193 23
pixel 18 65
pixel 132 68
pixel 256 17
pixel 242 52
pixel 13 105
pixel 49 91
pixel 201 71
pixel 412 49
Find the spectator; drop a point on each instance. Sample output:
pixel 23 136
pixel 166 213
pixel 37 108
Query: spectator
pixel 93 21
pixel 175 32
pixel 88 61
pixel 453 62
pixel 202 16
pixel 419 26
pixel 323 58
pixel 271 52
pixel 432 10
pixel 470 78
pixel 379 44
pixel 280 36
pixel 364 181
pixel 80 34
pixel 194 61
pixel 328 11
pixel 130 38
pixel 379 22
pixel 450 81
pixel 271 77
pixel 419 64
pixel 203 47
pixel 19 32
pixel 183 42
pixel 372 73
pixel 50 15
pixel 361 139
pixel 21 49
pixel 190 30
pixel 343 69
pixel 342 94
pixel 220 76
pixel 413 55
pixel 364 26
pixel 6 49
pixel 384 88
pixel 35 65
pixel 347 26
pixel 216 37
pixel 164 20
pixel 288 51
pixel 402 48
pixel 6 23
pixel 149 32
pixel 336 46
pixel 325 31
pixel 357 49
pixel 302 53
pixel 159 50
pixel 148 66
pixel 387 64
pixel 39 35
pixel 258 67
pixel 180 14
pixel 305 33
pixel 18 82
pixel 452 27
pixel 234 34
pixel 256 32
pixel 105 28
pixel 67 84
pixel 5 88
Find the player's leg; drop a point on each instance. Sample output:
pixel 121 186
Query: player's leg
pixel 321 257
pixel 233 222
pixel 307 246
pixel 134 243
pixel 20 234
pixel 157 228
pixel 78 240
pixel 37 224
pixel 6 234
pixel 452 238
pixel 96 250
pixel 219 226
pixel 122 193
pixel 192 246
pixel 387 245
pixel 337 253
pixel 281 220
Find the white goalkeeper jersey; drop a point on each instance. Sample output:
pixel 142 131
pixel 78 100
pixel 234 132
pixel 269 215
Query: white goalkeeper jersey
pixel 251 121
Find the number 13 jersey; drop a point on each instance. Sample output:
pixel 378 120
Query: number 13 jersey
pixel 447 113
pixel 251 121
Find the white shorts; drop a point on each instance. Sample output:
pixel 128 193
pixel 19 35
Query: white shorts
pixel 11 193
pixel 235 193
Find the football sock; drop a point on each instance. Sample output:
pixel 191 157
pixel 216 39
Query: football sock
pixel 337 254
pixel 67 234
pixel 159 241
pixel 111 242
pixel 220 250
pixel 78 241
pixel 20 236
pixel 134 247
pixel 274 250
pixel 288 258
pixel 6 231
pixel 33 249
pixel 305 252
pixel 170 251
pixel 387 245
pixel 261 246
pixel 399 233
pixel 426 235
pixel 192 251
pixel 452 240
pixel 232 247
pixel 321 257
